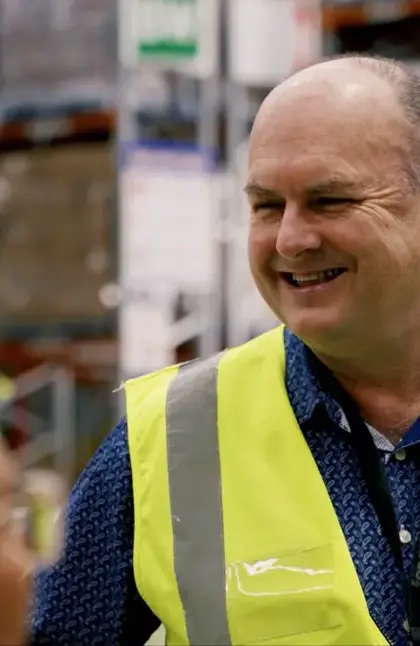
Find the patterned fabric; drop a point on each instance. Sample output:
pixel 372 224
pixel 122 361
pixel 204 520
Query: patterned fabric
pixel 322 423
pixel 89 598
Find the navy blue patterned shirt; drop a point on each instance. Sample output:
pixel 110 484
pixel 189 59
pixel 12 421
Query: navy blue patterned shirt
pixel 89 598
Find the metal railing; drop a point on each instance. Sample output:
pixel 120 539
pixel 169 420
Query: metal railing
pixel 53 438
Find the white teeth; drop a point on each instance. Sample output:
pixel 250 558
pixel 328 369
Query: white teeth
pixel 318 276
pixel 310 278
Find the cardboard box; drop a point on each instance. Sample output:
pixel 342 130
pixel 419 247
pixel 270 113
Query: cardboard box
pixel 55 215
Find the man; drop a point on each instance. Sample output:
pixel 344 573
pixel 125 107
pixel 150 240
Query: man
pixel 275 488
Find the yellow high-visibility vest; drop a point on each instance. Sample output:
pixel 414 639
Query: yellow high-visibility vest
pixel 236 540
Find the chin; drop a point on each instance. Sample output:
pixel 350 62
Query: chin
pixel 314 328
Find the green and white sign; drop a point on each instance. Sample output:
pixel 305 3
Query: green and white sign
pixel 170 34
pixel 168 29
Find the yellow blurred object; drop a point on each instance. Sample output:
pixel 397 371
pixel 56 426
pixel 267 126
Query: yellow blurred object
pixel 7 387
pixel 45 499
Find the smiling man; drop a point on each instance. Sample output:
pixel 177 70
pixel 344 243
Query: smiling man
pixel 271 494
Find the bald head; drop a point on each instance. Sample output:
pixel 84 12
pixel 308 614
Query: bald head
pixel 380 92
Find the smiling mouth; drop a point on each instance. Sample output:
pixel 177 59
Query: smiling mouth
pixel 314 278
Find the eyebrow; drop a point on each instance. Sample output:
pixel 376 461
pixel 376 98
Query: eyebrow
pixel 331 186
pixel 253 189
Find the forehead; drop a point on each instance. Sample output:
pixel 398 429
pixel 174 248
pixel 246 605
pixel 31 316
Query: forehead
pixel 308 136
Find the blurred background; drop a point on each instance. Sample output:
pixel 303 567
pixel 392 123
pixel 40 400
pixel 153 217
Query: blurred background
pixel 123 138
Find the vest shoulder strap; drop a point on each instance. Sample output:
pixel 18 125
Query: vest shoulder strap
pixel 256 348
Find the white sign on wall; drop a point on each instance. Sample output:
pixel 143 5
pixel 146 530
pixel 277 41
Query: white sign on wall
pixel 169 207
pixel 168 210
pixel 269 39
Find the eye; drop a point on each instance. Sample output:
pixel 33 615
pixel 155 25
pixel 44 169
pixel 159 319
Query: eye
pixel 265 206
pixel 332 201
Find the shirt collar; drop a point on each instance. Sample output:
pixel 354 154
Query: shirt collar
pixel 306 394
pixel 302 384
pixel 411 437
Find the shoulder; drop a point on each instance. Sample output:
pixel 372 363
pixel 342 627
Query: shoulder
pixel 107 475
pixel 114 448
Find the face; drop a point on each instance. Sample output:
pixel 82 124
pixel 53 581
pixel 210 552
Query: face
pixel 334 232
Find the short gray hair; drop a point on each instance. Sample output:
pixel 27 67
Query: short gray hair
pixel 406 83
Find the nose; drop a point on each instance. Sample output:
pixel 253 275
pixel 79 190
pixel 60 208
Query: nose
pixel 296 234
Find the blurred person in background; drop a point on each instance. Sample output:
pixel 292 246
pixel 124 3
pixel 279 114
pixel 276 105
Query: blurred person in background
pixel 16 561
pixel 271 494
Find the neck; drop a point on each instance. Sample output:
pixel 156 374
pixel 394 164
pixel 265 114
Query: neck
pixel 384 383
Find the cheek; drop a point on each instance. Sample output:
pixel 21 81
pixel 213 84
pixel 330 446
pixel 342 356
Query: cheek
pixel 261 245
pixel 383 249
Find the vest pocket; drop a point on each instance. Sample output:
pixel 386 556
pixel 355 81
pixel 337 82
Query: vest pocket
pixel 282 596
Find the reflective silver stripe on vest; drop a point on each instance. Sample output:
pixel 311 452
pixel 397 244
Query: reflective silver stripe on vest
pixel 196 504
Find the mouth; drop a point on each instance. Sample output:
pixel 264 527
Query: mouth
pixel 312 279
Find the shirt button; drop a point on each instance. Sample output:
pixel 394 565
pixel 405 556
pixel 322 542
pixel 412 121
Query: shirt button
pixel 405 536
pixel 400 454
